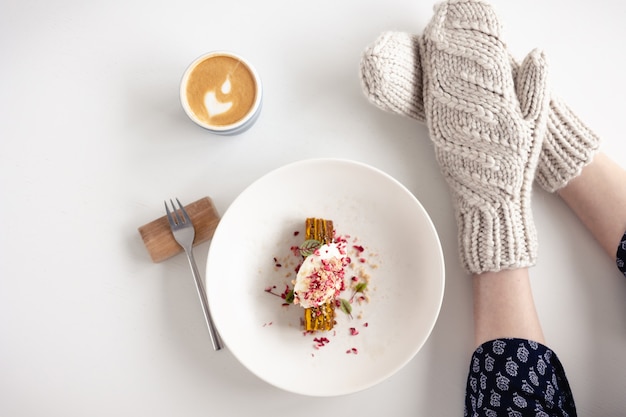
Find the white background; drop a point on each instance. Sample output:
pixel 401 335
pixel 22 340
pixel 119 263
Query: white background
pixel 93 139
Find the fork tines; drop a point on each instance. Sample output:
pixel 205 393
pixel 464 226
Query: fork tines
pixel 174 217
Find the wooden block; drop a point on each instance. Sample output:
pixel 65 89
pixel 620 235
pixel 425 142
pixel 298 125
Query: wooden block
pixel 159 240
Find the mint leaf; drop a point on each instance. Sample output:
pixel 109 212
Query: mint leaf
pixel 309 246
pixel 345 306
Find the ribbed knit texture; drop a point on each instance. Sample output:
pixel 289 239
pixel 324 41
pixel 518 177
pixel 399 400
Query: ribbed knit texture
pixel 487 131
pixel 569 146
pixel 391 75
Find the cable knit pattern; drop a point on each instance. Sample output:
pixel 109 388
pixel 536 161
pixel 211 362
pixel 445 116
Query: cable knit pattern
pixel 487 131
pixel 391 78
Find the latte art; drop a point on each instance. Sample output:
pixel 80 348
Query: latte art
pixel 220 91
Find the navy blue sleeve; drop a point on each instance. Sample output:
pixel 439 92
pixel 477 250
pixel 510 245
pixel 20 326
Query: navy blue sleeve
pixel 621 255
pixel 517 378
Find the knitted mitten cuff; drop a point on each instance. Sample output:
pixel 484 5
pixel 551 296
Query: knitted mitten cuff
pixel 496 235
pixel 568 147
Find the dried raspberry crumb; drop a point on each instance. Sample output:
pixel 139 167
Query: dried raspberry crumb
pixel 362 260
pixel 352 351
pixel 353 331
pixel 320 342
pixel 366 324
pixel 358 248
pixel 296 233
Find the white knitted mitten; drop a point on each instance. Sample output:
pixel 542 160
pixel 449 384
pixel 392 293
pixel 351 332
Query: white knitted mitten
pixel 391 77
pixel 487 131
pixel 391 74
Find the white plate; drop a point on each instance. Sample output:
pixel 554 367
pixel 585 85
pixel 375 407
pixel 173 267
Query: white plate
pixel 406 287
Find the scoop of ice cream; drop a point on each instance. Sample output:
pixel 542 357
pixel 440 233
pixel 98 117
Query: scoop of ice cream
pixel 320 277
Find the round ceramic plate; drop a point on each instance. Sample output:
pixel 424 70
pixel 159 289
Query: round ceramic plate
pixel 251 253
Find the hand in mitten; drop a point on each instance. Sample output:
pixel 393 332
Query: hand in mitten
pixel 391 75
pixel 487 130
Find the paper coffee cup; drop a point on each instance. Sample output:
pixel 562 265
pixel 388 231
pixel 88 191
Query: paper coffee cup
pixel 221 92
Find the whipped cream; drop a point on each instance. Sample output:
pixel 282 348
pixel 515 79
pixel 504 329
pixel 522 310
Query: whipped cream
pixel 321 276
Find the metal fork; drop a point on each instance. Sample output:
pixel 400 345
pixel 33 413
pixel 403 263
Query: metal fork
pixel 184 233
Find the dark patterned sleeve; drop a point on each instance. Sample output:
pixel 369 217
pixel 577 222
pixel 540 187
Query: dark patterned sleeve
pixel 517 378
pixel 621 255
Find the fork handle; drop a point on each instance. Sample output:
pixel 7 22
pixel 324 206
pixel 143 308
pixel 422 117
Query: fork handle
pixel 215 337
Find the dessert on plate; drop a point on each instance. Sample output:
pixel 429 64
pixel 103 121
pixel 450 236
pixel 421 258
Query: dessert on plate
pixel 320 278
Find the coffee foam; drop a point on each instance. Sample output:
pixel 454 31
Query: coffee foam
pixel 220 90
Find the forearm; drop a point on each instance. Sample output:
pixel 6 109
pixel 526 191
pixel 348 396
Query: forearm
pixel 598 198
pixel 504 307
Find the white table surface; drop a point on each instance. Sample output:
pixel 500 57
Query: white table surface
pixel 93 139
